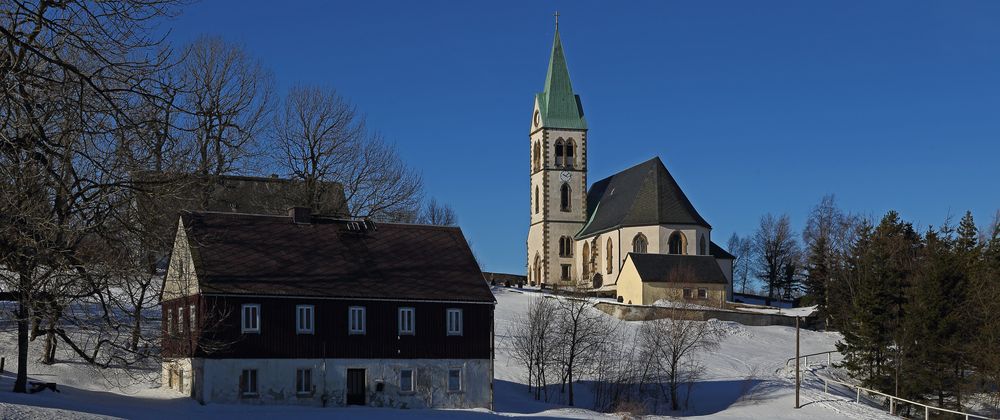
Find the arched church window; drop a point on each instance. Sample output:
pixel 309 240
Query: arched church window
pixel 675 245
pixel 538 269
pixel 704 246
pixel 570 159
pixel 639 244
pixel 536 200
pixel 559 152
pixel 565 246
pixel 564 197
pixel 610 261
pixel 537 157
pixel 586 260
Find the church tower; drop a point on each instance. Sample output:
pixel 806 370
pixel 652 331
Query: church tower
pixel 558 151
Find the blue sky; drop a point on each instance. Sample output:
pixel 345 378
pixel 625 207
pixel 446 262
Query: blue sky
pixel 754 106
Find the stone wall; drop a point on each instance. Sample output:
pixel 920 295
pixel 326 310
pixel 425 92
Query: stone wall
pixel 642 312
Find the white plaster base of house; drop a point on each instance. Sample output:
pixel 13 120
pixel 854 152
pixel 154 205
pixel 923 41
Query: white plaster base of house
pixel 218 381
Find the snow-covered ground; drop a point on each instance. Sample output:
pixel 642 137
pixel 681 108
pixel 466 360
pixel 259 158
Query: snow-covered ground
pixel 746 378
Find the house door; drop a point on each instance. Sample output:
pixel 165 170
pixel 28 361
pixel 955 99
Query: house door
pixel 355 387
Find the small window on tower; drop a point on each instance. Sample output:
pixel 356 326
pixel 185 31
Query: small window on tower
pixel 569 160
pixel 564 195
pixel 559 152
pixel 565 272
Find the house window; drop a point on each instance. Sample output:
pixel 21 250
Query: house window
pixel 454 321
pixel 565 246
pixel 248 383
pixel 454 379
pixel 180 320
pixel 702 293
pixel 406 380
pixel 304 319
pixel 609 261
pixel 406 316
pixel 564 195
pixel 675 244
pixel 251 318
pixel 170 322
pixel 687 293
pixel 356 320
pixel 303 381
pixel 568 161
pixel 193 319
pixel 559 152
pixel 565 272
pixel 639 244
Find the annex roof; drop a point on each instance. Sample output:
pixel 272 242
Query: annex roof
pixel 677 268
pixel 248 254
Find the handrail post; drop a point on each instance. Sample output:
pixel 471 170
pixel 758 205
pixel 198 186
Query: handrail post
pixel 892 406
pixel 829 359
pixel 859 394
pixel 927 413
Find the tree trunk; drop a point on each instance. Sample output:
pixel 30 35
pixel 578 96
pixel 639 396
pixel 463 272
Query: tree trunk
pixel 21 383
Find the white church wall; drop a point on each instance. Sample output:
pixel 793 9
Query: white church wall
pixel 692 235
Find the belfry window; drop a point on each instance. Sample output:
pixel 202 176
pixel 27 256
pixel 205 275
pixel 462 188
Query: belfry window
pixel 564 195
pixel 559 152
pixel 639 244
pixel 675 245
pixel 536 200
pixel 569 159
pixel 537 157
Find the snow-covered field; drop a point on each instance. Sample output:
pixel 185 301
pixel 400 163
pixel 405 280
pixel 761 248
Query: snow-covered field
pixel 745 379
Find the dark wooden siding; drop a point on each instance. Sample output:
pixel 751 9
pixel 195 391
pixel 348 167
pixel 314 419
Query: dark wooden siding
pixel 183 342
pixel 278 337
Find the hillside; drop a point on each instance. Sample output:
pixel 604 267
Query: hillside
pixel 744 379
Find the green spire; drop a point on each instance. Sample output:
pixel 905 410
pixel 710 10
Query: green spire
pixel 558 105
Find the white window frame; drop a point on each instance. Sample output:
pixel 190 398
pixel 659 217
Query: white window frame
pixel 461 381
pixel 302 388
pixel 459 321
pixel 180 320
pixel 413 380
pixel 170 322
pixel 361 327
pixel 407 326
pixel 305 325
pixel 250 391
pixel 192 318
pixel 255 319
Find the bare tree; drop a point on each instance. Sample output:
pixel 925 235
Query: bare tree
pixel 435 213
pixel 742 249
pixel 323 139
pixel 583 330
pixel 533 343
pixel 227 101
pixel 776 252
pixel 72 74
pixel 672 345
pixel 318 133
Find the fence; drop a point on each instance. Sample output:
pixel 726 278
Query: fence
pixel 892 398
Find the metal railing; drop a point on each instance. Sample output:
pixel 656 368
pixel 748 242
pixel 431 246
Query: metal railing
pixel 892 398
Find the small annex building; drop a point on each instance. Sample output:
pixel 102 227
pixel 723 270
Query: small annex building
pixel 325 311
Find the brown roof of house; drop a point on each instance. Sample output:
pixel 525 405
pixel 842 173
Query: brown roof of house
pixel 677 268
pixel 269 255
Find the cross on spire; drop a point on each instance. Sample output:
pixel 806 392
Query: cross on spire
pixel 556 14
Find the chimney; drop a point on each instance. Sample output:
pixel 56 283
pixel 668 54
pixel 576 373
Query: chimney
pixel 300 215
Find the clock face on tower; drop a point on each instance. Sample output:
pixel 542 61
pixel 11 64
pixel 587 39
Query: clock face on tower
pixel 566 176
pixel 537 118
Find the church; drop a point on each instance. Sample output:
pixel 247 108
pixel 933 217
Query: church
pixel 634 235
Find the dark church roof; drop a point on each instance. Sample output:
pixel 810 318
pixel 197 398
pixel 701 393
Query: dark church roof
pixel 643 195
pixel 716 251
pixel 677 268
pixel 270 255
